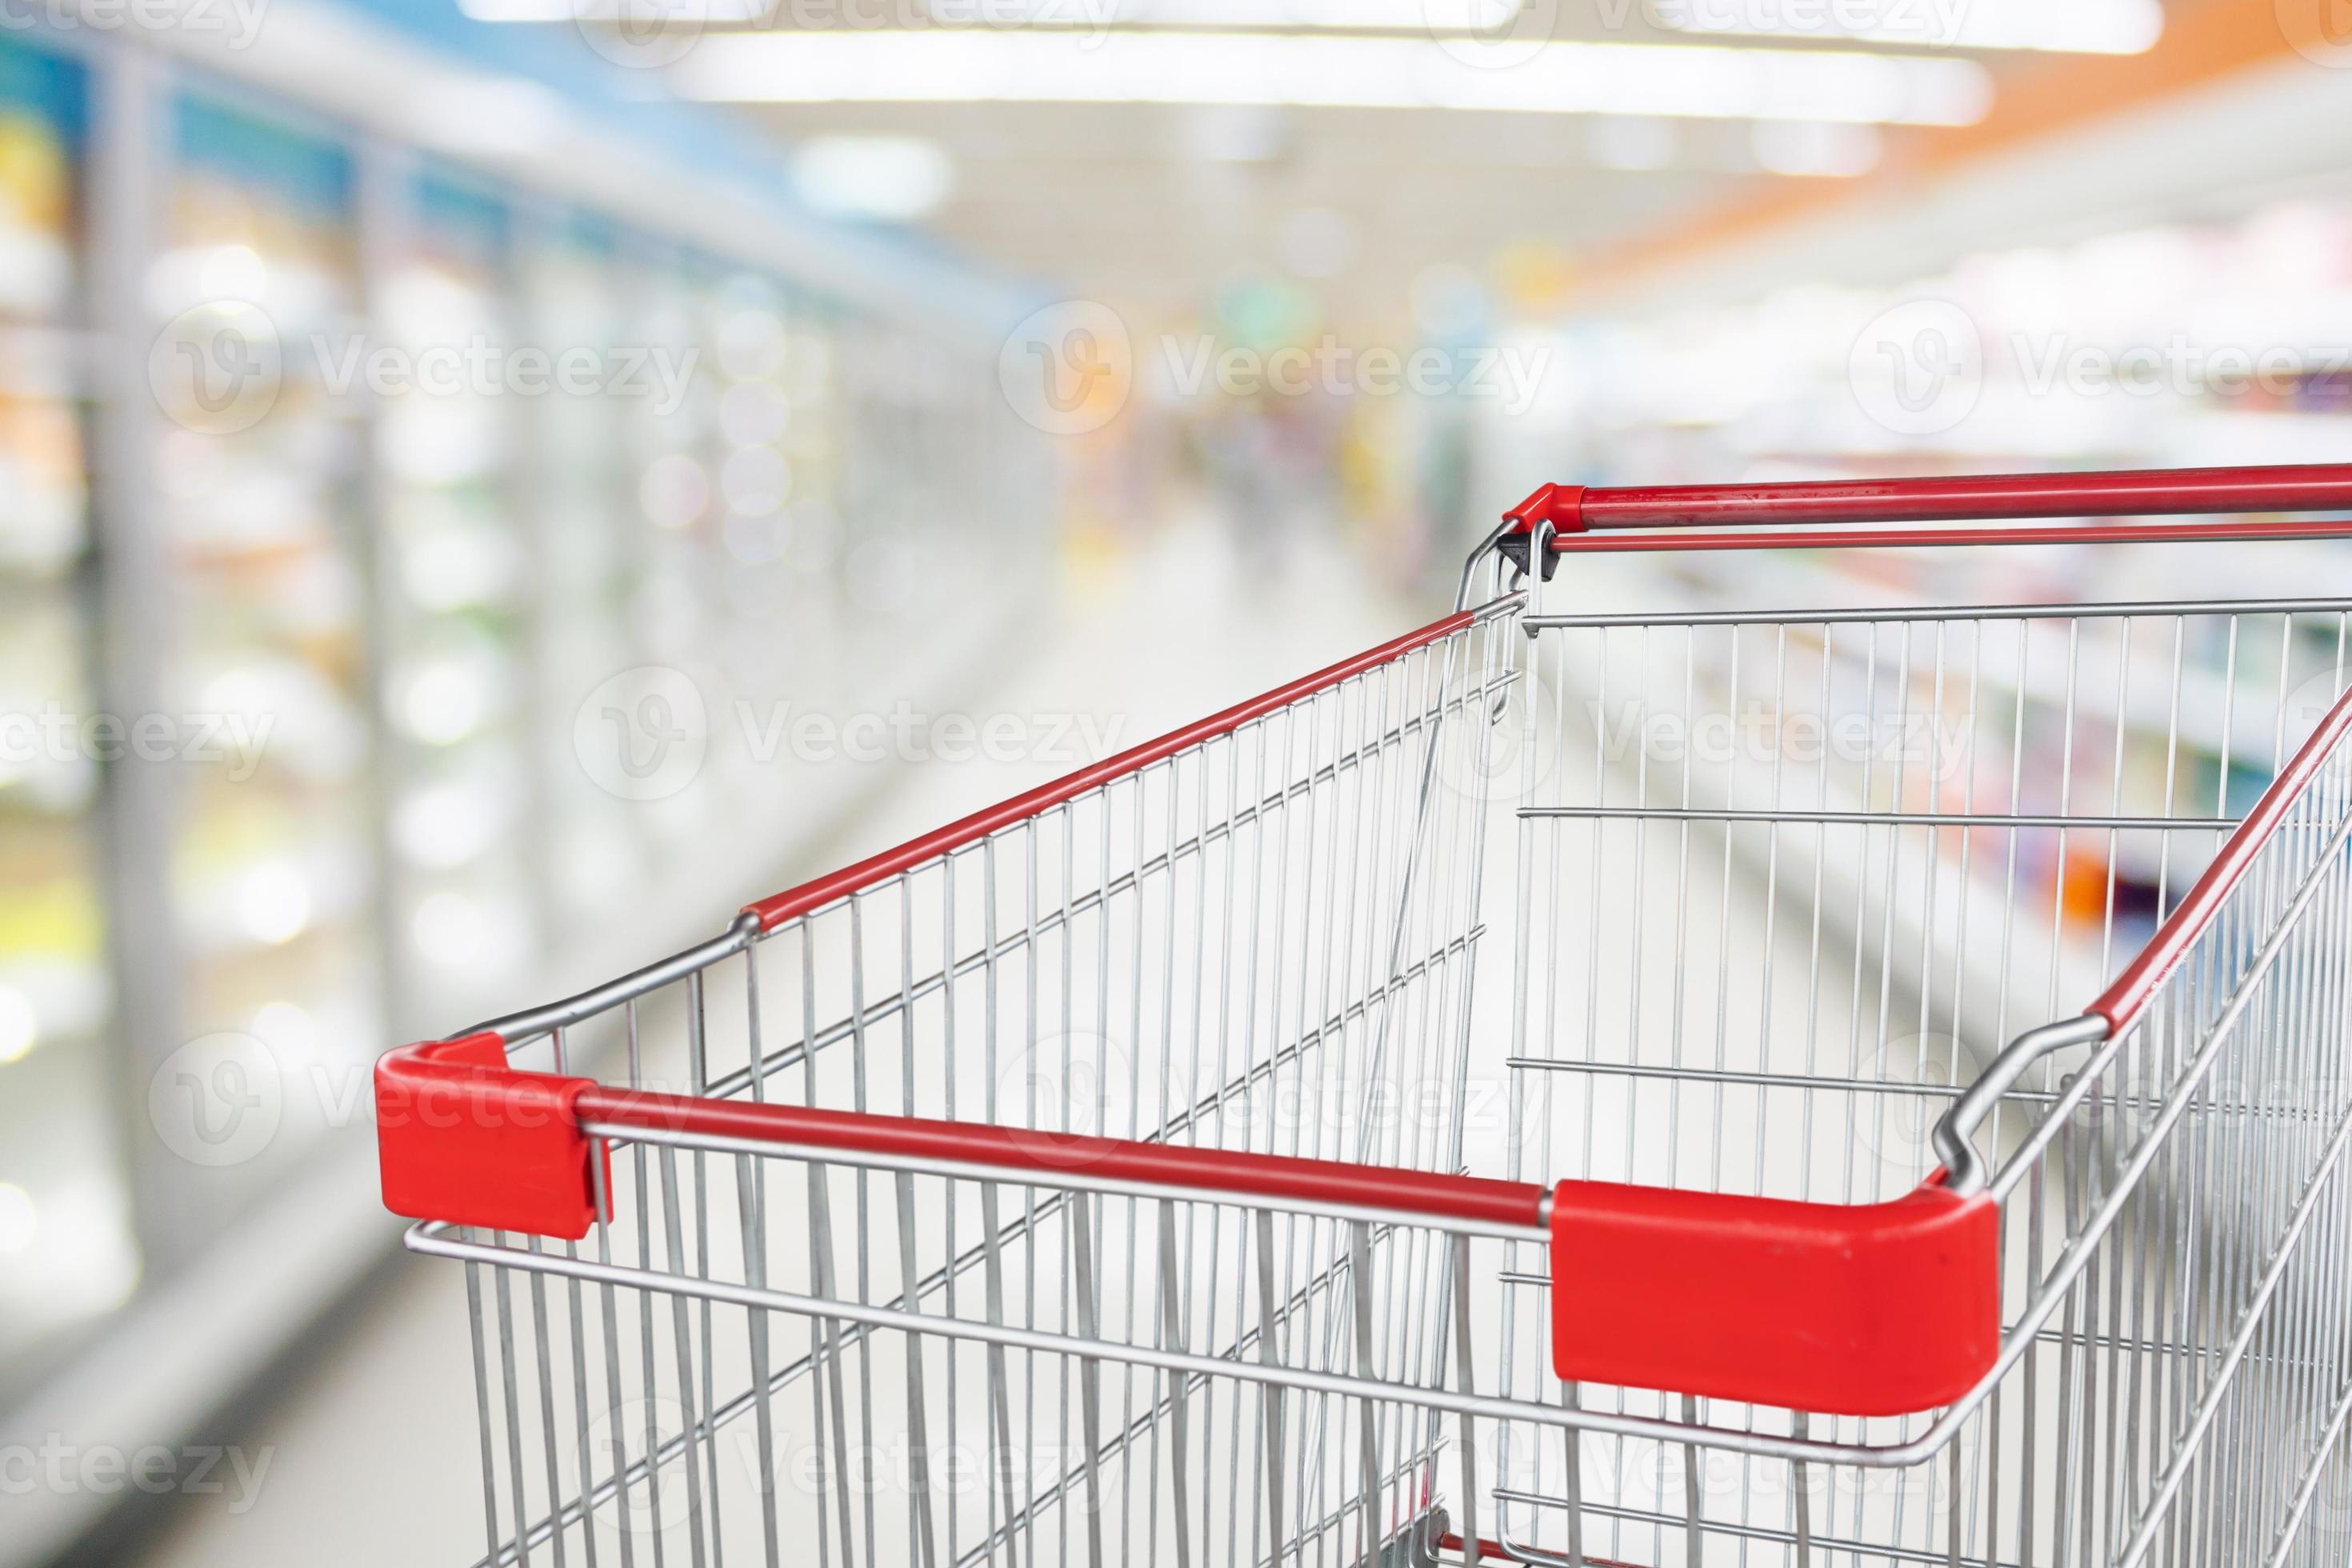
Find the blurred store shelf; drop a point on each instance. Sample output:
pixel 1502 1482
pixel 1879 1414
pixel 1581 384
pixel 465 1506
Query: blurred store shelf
pixel 370 620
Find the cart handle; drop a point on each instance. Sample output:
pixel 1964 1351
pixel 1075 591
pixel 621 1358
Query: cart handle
pixel 1864 1310
pixel 793 902
pixel 1578 512
pixel 983 1151
pixel 2122 1002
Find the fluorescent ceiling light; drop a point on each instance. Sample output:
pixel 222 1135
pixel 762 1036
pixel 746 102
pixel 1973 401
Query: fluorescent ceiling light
pixel 1812 148
pixel 900 178
pixel 2075 27
pixel 997 67
pixel 1275 16
pixel 711 13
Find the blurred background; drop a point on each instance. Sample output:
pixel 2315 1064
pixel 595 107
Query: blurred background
pixel 487 487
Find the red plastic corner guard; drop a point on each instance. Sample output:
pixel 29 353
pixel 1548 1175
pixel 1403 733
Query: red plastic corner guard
pixel 1867 1309
pixel 464 1138
pixel 1562 506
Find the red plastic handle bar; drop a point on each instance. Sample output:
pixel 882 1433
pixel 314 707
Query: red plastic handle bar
pixel 1576 509
pixel 1866 1309
pixel 1891 538
pixel 2123 1001
pixel 1075 1158
pixel 796 902
pixel 466 1139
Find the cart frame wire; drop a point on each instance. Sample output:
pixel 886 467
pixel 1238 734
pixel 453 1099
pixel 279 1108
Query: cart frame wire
pixel 2110 1233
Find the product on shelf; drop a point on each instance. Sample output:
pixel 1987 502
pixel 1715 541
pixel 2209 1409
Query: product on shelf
pixel 65 1248
pixel 272 870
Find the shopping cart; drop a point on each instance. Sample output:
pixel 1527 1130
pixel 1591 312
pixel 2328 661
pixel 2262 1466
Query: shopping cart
pixel 1089 1180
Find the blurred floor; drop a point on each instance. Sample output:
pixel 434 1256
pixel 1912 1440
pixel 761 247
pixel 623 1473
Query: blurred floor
pixel 372 1448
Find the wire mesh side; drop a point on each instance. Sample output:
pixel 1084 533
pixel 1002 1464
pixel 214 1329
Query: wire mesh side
pixel 1265 942
pixel 1149 1380
pixel 1786 883
pixel 2182 1217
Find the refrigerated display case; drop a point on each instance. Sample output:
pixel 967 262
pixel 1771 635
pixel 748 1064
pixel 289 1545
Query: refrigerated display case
pixel 363 606
pixel 457 592
pixel 66 1246
pixel 273 875
pixel 580 481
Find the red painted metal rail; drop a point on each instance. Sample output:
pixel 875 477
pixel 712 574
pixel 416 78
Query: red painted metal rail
pixel 1023 1151
pixel 796 902
pixel 2123 1001
pixel 1581 514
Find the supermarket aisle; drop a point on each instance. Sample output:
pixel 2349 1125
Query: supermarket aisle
pixel 374 1447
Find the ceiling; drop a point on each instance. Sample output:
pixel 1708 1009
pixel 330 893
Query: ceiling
pixel 1156 205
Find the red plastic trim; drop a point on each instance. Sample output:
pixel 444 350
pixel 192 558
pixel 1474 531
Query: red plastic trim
pixel 1492 1551
pixel 795 901
pixel 1562 506
pixel 1887 538
pixel 2309 487
pixel 1017 1150
pixel 464 1138
pixel 1868 1309
pixel 2123 1001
